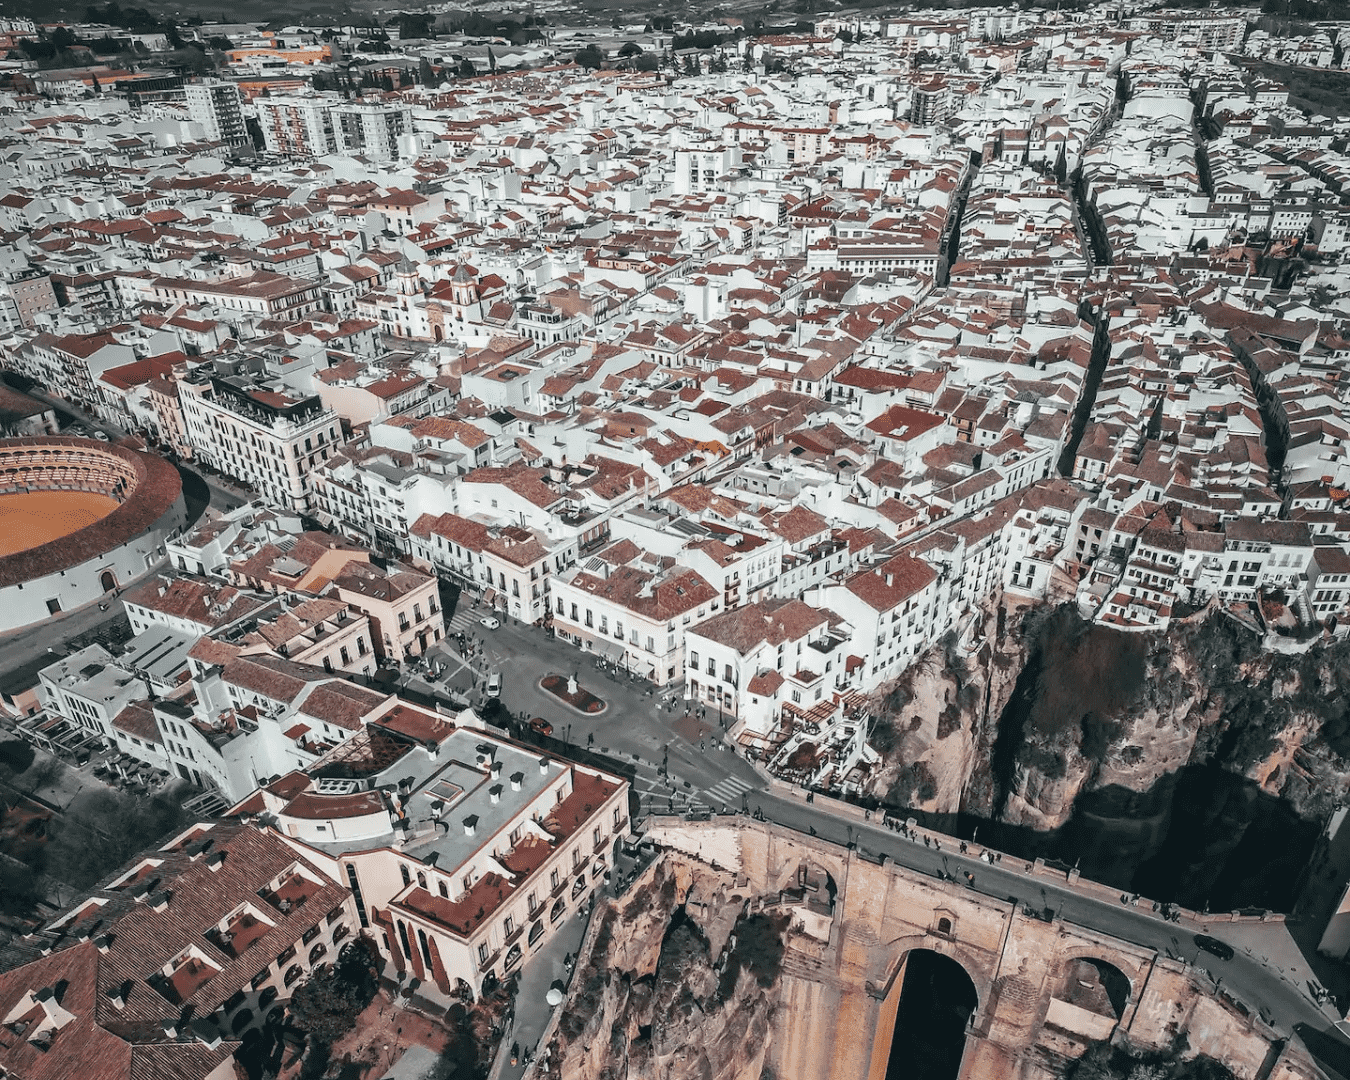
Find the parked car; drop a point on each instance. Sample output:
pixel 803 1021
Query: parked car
pixel 494 686
pixel 489 622
pixel 1221 949
pixel 540 726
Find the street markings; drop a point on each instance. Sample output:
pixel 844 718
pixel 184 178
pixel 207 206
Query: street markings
pixel 729 791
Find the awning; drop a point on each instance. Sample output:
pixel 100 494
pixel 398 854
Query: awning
pixel 297 731
pixel 610 650
pixel 489 596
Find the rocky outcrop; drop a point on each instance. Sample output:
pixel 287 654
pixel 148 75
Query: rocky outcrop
pixel 681 984
pixel 938 722
pixel 1020 724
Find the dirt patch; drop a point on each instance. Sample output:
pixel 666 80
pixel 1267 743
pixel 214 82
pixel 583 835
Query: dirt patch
pixel 37 517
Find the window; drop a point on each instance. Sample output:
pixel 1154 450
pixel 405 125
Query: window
pixel 508 925
pixel 445 892
pixel 468 881
pixel 482 953
pixel 553 879
pixel 693 660
pixel 404 873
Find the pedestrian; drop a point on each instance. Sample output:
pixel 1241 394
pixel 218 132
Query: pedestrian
pixel 926 842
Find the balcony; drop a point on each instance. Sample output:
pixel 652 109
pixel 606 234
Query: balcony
pixel 292 892
pixel 241 932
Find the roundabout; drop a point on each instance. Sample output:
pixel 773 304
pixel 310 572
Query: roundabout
pixel 576 697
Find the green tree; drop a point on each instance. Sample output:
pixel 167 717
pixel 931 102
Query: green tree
pixel 631 48
pixel 590 57
pixel 425 75
pixel 325 1006
pixel 466 70
pixel 492 60
pixel 171 34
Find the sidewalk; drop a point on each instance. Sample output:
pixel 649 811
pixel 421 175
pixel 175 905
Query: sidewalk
pixel 533 1012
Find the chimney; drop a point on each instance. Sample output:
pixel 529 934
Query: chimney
pixel 496 769
pixel 170 1029
pixel 215 861
pixel 890 580
pixel 103 942
pixel 160 900
pixel 471 825
pixel 543 766
pixel 117 995
pixel 516 779
pixel 495 794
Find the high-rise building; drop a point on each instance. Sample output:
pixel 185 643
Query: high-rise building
pixel 372 130
pixel 215 105
pixel 930 103
pixel 295 126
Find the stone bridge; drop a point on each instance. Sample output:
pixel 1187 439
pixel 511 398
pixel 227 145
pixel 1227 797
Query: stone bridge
pixel 1043 990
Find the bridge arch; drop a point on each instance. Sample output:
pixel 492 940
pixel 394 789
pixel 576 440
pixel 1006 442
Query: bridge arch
pixel 936 1001
pixel 933 992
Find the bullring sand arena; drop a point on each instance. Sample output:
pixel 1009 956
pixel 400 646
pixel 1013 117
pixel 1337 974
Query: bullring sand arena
pixel 33 518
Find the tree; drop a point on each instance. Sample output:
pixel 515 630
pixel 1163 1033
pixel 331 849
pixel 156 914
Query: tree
pixel 466 70
pixel 631 48
pixel 590 57
pixel 492 60
pixel 325 1006
pixel 425 75
pixel 171 34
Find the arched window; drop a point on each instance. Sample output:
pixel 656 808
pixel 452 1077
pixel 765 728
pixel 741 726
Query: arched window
pixel 944 926
pixel 426 950
pixel 403 870
pixel 421 879
pixel 403 939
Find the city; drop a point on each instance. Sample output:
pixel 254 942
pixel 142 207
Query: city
pixel 776 545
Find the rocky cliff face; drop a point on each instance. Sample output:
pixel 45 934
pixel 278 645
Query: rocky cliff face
pixel 939 721
pixel 1049 709
pixel 681 984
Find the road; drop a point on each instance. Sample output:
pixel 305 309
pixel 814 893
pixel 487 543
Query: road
pixel 641 730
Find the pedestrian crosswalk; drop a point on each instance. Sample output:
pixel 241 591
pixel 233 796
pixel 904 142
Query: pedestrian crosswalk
pixel 463 621
pixel 729 791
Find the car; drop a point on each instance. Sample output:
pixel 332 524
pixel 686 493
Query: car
pixel 489 622
pixel 540 726
pixel 494 686
pixel 1218 948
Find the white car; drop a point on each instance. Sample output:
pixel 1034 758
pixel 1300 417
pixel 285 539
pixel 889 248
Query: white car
pixel 489 622
pixel 494 686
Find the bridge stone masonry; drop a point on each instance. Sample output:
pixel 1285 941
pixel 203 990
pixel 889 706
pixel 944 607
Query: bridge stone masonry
pixel 1043 991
